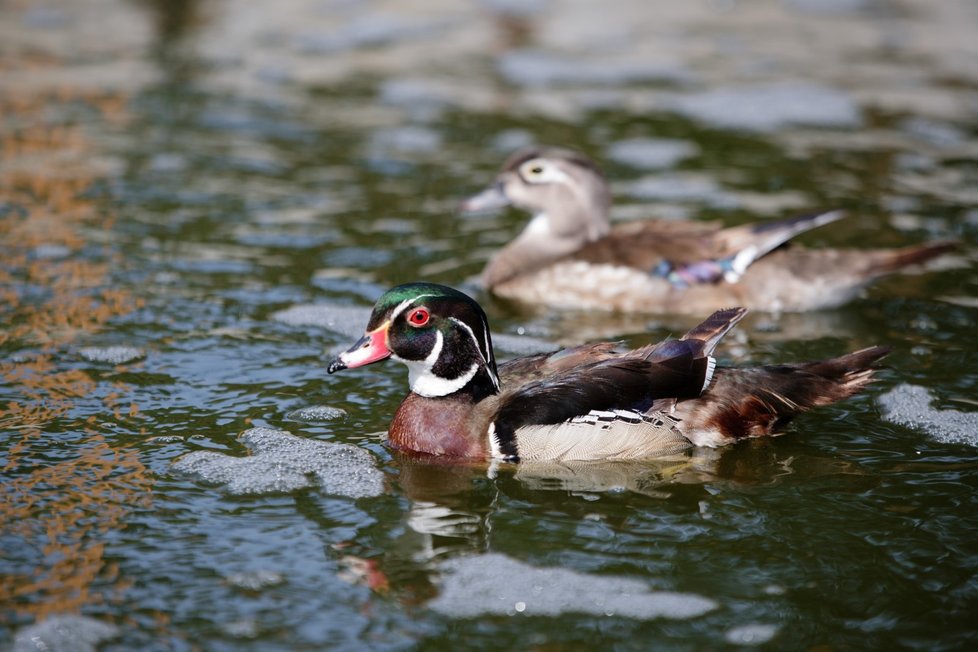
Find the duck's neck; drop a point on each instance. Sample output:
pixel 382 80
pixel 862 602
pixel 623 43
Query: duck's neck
pixel 540 244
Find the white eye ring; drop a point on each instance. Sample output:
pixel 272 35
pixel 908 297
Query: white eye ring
pixel 539 171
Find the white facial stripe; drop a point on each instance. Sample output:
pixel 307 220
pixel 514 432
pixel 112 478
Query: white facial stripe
pixel 471 334
pixel 483 353
pixel 491 362
pixel 404 304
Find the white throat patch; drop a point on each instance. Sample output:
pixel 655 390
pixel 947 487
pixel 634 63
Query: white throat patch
pixel 539 225
pixel 425 383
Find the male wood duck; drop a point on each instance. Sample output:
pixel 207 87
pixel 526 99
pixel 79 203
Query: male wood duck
pixel 570 256
pixel 583 403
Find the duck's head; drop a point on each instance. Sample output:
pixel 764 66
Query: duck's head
pixel 441 334
pixel 566 192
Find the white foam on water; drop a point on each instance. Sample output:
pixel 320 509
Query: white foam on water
pixel 496 584
pixel 910 405
pixel 316 414
pixel 751 634
pixel 111 354
pixel 244 628
pixel 255 580
pixel 281 462
pixel 75 633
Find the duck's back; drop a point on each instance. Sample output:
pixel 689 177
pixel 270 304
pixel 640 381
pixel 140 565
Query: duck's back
pixel 644 245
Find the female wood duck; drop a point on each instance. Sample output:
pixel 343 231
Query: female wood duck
pixel 570 256
pixel 583 403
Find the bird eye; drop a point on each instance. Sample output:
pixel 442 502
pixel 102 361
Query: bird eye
pixel 419 317
pixel 533 169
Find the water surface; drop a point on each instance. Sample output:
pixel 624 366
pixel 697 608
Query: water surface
pixel 199 201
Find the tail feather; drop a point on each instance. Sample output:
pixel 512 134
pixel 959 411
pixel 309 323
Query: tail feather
pixel 757 402
pixel 889 261
pixel 839 378
pixel 844 366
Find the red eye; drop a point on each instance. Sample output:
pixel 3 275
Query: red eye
pixel 419 317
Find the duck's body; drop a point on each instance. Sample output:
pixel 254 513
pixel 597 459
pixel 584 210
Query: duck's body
pixel 585 403
pixel 570 256
pixel 790 280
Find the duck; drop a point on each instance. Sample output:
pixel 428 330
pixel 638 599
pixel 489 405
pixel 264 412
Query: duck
pixel 586 403
pixel 570 256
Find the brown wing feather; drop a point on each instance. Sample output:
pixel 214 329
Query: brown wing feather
pixel 518 372
pixel 643 245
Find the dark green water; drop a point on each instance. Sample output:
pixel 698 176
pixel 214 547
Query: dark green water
pixel 173 180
